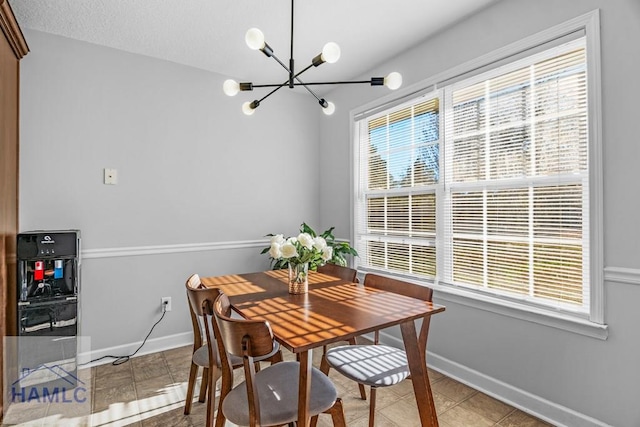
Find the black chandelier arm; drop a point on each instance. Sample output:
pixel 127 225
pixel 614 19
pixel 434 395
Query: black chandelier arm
pixel 277 88
pixel 300 72
pixel 337 83
pixel 281 63
pixel 304 85
pixel 314 83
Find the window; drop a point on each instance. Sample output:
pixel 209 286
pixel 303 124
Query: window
pixel 401 154
pixel 484 185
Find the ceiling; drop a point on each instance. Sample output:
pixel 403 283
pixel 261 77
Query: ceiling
pixel 209 34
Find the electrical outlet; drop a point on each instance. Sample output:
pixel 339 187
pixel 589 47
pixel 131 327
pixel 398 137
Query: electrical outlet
pixel 165 304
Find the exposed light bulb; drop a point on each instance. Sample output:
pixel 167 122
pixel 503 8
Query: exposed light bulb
pixel 231 87
pixel 331 52
pixel 246 108
pixel 393 80
pixel 254 39
pixel 329 109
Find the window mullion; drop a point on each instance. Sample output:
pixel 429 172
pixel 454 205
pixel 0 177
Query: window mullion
pixel 386 199
pixel 533 165
pixel 487 177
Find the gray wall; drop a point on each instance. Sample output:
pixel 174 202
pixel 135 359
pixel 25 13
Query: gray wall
pixel 192 169
pixel 563 371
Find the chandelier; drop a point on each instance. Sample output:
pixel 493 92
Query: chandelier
pixel 330 54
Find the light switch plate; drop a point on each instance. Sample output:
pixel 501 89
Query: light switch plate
pixel 110 176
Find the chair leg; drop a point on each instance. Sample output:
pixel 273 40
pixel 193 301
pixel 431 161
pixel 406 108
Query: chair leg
pixel 324 368
pixel 363 393
pixel 225 388
pixel 211 393
pixel 203 385
pixel 324 365
pixel 337 414
pixel 314 421
pixel 276 358
pixel 372 406
pixel 193 373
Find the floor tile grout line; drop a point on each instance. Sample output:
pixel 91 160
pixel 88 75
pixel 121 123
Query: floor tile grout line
pixel 495 423
pixel 506 416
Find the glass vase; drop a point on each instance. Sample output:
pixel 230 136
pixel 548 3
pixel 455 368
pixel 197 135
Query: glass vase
pixel 298 278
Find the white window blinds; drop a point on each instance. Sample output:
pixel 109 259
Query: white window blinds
pixel 516 195
pixel 502 158
pixel 399 170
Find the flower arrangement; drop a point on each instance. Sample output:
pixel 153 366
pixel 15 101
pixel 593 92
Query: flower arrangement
pixel 307 247
pixel 300 250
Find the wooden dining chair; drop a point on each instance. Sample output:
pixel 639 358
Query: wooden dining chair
pixel 268 397
pixel 349 275
pixel 379 365
pixel 199 357
pixel 205 355
pixel 335 270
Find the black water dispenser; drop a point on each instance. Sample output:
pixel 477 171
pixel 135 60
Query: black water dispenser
pixel 46 349
pixel 48 282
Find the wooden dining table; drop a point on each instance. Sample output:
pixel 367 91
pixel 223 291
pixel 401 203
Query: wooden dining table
pixel 332 310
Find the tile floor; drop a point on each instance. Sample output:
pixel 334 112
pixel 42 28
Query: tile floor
pixel 150 391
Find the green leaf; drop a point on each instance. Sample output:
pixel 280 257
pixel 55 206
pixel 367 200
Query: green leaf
pixel 304 228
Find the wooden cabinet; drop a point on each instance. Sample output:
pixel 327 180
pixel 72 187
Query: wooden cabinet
pixel 12 48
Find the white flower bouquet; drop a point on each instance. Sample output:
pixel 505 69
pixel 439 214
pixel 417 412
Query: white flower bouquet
pixel 300 250
pixel 307 247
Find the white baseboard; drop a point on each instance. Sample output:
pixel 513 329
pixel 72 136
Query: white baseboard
pixel 153 345
pixel 537 406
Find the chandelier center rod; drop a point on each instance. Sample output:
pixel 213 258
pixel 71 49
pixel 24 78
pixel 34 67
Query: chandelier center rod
pixel 291 62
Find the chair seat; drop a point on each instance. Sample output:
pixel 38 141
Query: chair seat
pixel 277 387
pixel 372 365
pixel 201 356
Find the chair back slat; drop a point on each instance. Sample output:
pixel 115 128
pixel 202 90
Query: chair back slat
pixel 234 331
pixel 196 294
pixel 401 287
pixel 345 273
pixel 194 282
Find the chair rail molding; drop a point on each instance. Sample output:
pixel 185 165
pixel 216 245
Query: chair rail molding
pixel 127 251
pixel 171 249
pixel 622 275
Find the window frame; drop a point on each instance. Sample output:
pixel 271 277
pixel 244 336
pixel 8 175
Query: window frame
pixel 587 25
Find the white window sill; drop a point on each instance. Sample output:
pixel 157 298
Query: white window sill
pixel 521 311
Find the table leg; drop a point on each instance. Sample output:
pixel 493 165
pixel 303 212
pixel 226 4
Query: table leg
pixel 304 391
pixel 418 368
